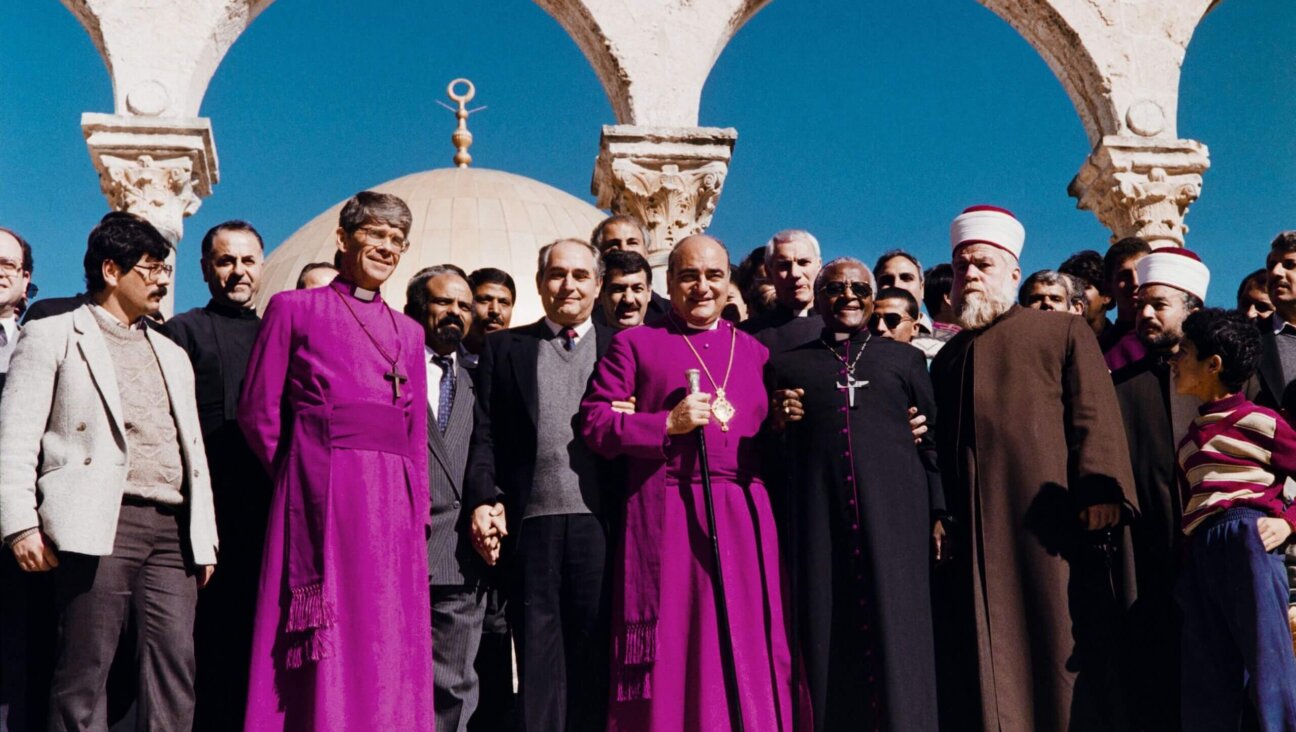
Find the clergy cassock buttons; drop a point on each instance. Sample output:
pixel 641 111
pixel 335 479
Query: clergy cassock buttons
pixel 87 461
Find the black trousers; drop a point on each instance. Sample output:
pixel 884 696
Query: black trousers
pixel 147 576
pixel 457 612
pixel 561 623
pixel 26 645
pixel 496 702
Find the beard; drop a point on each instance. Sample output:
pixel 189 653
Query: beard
pixel 449 332
pixel 978 310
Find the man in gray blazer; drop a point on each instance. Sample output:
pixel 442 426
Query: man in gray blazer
pixel 441 300
pixel 103 480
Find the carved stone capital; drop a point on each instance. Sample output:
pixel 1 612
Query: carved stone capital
pixel 667 177
pixel 1142 187
pixel 159 169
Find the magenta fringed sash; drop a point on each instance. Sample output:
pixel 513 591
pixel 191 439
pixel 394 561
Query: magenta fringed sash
pixel 317 431
pixel 634 642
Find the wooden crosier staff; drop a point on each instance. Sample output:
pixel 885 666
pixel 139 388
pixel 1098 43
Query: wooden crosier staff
pixel 694 377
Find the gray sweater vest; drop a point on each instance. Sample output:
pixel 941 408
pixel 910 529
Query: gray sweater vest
pixel 566 475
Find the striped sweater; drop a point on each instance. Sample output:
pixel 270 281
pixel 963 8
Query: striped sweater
pixel 1236 454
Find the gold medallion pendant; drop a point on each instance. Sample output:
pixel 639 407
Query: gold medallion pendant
pixel 722 409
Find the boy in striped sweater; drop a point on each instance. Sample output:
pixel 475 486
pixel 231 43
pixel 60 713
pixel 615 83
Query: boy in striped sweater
pixel 1233 588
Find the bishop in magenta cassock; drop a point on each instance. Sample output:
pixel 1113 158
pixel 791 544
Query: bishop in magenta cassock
pixel 335 405
pixel 666 670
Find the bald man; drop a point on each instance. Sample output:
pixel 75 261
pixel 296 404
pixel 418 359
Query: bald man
pixel 667 635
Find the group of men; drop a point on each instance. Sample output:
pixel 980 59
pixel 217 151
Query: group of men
pixel 771 499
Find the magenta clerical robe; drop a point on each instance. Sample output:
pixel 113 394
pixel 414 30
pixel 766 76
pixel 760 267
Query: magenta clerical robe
pixel 666 667
pixel 343 637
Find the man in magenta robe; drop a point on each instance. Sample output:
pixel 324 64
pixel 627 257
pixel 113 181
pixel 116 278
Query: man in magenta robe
pixel 335 405
pixel 666 665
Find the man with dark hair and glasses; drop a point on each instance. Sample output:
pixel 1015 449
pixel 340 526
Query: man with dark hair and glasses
pixel 895 315
pixel 103 475
pixel 15 277
pixel 862 531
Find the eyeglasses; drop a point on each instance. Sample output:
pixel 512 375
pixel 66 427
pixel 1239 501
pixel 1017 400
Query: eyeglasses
pixel 892 320
pixel 837 289
pixel 10 268
pixel 152 272
pixel 392 241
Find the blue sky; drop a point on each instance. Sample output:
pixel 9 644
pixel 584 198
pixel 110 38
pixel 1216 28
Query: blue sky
pixel 870 129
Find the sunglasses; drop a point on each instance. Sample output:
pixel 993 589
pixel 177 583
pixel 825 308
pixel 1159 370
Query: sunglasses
pixel 892 320
pixel 837 289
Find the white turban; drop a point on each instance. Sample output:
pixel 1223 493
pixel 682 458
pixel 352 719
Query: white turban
pixel 1175 267
pixel 988 225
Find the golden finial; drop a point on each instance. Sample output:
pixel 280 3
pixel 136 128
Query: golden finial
pixel 461 137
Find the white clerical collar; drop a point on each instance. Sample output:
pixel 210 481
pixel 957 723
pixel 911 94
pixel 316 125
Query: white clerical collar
pixel 365 295
pixel 581 329
pixel 805 313
pixel 839 336
pixel 431 354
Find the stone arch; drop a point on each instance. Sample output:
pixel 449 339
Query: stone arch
pixel 161 56
pixel 652 59
pixel 1119 61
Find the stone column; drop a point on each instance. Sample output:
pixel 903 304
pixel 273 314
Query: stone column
pixel 1139 186
pixel 667 177
pixel 157 168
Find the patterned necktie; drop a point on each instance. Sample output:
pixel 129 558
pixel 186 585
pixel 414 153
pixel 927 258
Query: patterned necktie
pixel 448 384
pixel 569 338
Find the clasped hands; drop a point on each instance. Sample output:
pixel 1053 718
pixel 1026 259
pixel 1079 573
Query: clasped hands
pixel 488 527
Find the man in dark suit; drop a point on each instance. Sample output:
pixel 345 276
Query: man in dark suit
pixel 440 299
pixel 1277 368
pixel 792 260
pixel 531 478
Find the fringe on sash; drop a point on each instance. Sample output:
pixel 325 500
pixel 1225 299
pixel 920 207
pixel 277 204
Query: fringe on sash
pixel 310 616
pixel 636 652
pixel 308 609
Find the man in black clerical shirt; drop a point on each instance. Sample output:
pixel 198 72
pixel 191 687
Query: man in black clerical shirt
pixel 792 261
pixel 218 338
pixel 859 523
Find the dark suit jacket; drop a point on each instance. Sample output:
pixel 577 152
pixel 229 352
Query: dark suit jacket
pixel 782 330
pixel 451 559
pixel 501 460
pixel 1267 387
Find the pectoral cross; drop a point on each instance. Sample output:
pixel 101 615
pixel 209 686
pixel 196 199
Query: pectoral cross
pixel 396 378
pixel 850 386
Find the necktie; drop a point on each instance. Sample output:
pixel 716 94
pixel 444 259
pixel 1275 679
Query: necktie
pixel 569 338
pixel 448 383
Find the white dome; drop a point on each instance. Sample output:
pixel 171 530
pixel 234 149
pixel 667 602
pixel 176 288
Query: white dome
pixel 470 217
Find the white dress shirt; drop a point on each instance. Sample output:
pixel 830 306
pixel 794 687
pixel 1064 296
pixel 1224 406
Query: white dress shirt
pixel 434 373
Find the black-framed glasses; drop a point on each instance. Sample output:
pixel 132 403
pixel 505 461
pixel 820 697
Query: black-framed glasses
pixel 892 320
pixel 838 288
pixel 152 272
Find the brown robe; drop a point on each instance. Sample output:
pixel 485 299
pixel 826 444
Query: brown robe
pixel 1028 610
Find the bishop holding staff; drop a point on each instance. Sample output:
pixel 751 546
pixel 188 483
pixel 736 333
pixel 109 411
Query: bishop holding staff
pixel 866 501
pixel 335 406
pixel 667 669
pixel 1037 477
